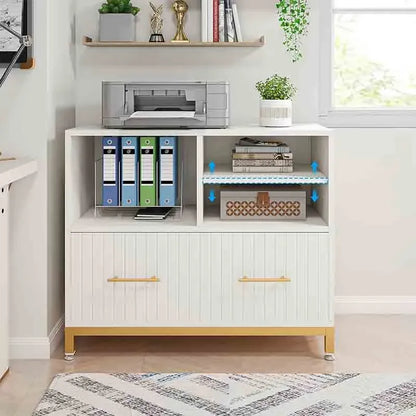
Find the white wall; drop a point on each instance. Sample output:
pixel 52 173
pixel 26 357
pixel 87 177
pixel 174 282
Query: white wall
pixel 35 108
pixel 241 66
pixel 61 116
pixel 375 204
pixel 23 133
pixel 376 212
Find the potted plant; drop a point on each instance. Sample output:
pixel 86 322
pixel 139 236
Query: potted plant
pixel 276 103
pixel 117 21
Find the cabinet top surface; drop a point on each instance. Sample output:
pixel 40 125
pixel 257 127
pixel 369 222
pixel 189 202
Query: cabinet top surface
pixel 14 170
pixel 253 130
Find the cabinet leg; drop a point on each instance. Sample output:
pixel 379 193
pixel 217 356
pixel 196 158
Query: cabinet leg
pixel 69 345
pixel 329 344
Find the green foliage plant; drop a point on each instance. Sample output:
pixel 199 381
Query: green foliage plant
pixel 276 88
pixel 118 6
pixel 294 20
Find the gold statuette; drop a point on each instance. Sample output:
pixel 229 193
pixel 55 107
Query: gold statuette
pixel 180 8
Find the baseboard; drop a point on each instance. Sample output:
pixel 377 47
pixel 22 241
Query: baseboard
pixel 378 305
pixel 37 348
pixel 29 348
pixel 56 336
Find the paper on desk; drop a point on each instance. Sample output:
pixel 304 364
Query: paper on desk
pixel 163 114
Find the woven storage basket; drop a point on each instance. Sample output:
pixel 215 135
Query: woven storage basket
pixel 262 205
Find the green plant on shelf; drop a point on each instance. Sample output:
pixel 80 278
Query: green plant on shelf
pixel 294 20
pixel 118 6
pixel 276 88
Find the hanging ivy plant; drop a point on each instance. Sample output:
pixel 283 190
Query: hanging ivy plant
pixel 294 20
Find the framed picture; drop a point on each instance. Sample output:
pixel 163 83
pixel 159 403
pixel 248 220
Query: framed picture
pixel 15 13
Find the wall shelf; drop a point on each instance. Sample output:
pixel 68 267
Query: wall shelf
pixel 87 41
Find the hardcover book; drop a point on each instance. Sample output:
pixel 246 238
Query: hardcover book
pixel 221 21
pixel 204 20
pixel 262 149
pixel 249 141
pixel 216 22
pixel 250 145
pixel 229 24
pixel 267 169
pixel 237 26
pixel 262 163
pixel 152 213
pixel 263 156
pixel 210 20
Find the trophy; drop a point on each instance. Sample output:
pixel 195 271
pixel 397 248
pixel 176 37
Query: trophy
pixel 180 8
pixel 156 23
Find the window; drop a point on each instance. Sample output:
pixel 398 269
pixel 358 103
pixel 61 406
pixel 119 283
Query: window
pixel 370 63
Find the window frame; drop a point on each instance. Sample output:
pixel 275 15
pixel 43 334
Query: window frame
pixel 354 117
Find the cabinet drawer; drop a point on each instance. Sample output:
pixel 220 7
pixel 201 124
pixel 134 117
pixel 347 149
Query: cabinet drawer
pixel 130 279
pixel 198 280
pixel 278 279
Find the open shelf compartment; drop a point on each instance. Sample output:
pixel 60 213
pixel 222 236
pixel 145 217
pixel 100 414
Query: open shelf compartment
pixel 306 150
pixel 86 213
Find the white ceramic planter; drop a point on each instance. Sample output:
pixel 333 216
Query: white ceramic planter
pixel 276 113
pixel 117 27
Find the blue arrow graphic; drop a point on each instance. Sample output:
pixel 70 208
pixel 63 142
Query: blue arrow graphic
pixel 211 167
pixel 315 167
pixel 212 197
pixel 315 196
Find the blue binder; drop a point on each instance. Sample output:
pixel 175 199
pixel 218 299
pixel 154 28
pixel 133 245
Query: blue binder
pixel 168 156
pixel 111 171
pixel 129 188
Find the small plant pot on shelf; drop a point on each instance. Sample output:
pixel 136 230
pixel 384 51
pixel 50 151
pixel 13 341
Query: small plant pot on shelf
pixel 117 27
pixel 276 113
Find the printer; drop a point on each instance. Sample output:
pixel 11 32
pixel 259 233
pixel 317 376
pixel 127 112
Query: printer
pixel 165 104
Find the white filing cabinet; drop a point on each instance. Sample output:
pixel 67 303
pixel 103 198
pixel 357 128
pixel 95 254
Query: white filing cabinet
pixel 197 274
pixel 10 171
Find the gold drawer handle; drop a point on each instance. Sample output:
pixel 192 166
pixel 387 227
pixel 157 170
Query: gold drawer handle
pixel 265 280
pixel 153 279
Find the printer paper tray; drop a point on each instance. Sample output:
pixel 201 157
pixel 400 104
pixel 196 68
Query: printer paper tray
pixel 163 114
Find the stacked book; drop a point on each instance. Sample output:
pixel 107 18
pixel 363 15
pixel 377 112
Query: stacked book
pixel 262 156
pixel 220 21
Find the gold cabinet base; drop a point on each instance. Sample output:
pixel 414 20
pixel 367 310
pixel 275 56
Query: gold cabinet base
pixel 326 332
pixel 2 377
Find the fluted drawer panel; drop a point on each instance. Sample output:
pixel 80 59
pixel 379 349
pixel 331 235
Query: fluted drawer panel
pixel 199 280
pixel 304 298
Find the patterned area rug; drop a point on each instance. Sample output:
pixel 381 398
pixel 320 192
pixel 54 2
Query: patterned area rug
pixel 230 394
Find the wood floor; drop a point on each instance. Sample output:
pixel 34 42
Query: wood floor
pixel 384 344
